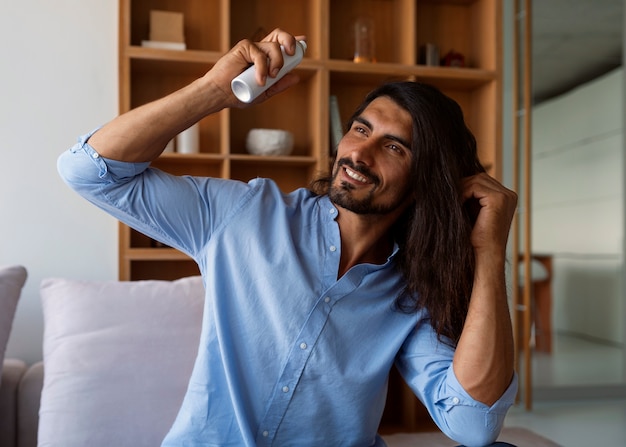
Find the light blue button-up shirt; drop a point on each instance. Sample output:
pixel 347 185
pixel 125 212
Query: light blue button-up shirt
pixel 289 354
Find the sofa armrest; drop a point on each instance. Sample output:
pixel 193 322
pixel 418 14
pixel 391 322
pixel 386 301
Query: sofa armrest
pixel 12 372
pixel 29 399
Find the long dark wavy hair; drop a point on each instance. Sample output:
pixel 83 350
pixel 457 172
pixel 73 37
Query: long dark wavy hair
pixel 435 257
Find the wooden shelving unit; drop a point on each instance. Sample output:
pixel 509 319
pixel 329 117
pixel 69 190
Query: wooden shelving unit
pixel 212 27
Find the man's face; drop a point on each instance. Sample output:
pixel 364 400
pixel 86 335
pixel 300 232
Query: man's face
pixel 371 173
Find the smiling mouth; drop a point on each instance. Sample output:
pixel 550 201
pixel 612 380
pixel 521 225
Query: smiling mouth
pixel 355 175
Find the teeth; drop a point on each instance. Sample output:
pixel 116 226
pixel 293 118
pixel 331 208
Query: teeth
pixel 355 176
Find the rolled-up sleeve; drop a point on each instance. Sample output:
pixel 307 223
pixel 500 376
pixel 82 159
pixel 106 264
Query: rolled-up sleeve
pixel 89 174
pixel 426 365
pixel 179 211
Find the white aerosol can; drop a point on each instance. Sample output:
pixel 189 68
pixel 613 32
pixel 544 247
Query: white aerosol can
pixel 245 86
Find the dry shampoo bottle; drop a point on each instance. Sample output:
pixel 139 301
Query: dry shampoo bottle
pixel 245 87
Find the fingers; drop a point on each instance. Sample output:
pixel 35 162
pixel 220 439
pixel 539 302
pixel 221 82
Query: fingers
pixel 267 58
pixel 288 41
pixel 496 207
pixel 483 186
pixel 470 186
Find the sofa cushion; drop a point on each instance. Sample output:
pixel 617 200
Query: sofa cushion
pixel 12 372
pixel 117 359
pixel 12 279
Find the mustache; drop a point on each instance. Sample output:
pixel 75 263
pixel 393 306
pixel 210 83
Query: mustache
pixel 361 169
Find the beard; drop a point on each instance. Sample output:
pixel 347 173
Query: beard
pixel 342 193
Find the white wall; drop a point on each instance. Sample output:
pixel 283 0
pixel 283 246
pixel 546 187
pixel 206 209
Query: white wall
pixel 58 80
pixel 577 205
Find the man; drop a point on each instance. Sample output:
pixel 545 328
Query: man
pixel 311 297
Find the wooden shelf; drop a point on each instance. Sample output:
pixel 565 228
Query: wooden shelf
pixel 444 77
pixel 155 254
pixel 162 55
pixel 168 158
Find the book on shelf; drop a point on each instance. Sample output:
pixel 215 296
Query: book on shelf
pixel 336 126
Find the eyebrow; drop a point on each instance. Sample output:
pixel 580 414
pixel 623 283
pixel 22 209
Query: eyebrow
pixel 365 122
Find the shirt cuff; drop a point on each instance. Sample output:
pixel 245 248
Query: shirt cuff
pixel 107 167
pixel 469 421
pixel 458 396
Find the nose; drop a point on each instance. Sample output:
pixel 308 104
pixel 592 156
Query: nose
pixel 363 153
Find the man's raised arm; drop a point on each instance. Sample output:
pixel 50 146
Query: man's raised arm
pixel 141 134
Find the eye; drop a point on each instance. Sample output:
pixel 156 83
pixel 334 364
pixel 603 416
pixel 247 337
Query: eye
pixel 397 148
pixel 359 129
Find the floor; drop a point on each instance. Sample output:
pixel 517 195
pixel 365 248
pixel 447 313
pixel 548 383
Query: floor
pixel 576 422
pixel 578 361
pixel 584 423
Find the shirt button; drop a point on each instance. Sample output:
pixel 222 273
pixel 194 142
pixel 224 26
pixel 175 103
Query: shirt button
pixel 266 434
pixel 331 211
pixel 285 389
pixel 455 400
pixel 332 248
pixel 327 299
pixel 302 345
pixel 95 155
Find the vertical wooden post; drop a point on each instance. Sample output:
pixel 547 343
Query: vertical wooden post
pixel 522 183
